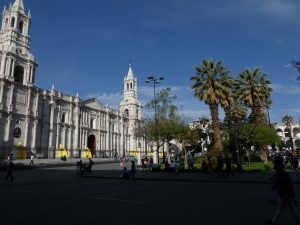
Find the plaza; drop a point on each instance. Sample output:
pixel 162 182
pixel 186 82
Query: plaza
pixel 160 198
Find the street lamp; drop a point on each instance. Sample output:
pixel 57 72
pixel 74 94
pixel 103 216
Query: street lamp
pixel 155 80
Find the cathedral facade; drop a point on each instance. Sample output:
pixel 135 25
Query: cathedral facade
pixel 46 121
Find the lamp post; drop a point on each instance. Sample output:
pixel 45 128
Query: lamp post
pixel 155 81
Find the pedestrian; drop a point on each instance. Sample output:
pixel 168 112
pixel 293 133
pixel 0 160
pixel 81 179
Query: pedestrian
pixel 150 164
pixel 228 166
pixel 79 167
pixel 89 167
pixel 31 160
pixel 209 165
pixel 9 170
pixel 190 161
pixel 283 185
pixel 220 165
pixel 204 167
pixel 133 169
pixel 125 173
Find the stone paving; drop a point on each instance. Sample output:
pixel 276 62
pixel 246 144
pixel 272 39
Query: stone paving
pixel 58 196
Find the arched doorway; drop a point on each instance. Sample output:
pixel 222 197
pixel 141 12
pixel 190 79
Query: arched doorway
pixel 91 144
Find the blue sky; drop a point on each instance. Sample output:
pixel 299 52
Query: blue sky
pixel 85 46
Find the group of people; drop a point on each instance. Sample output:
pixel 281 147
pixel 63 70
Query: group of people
pixel 207 166
pixel 82 168
pixel 147 163
pixel 129 173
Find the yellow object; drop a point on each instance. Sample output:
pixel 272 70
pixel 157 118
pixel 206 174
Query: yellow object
pixel 21 152
pixel 62 152
pixel 87 153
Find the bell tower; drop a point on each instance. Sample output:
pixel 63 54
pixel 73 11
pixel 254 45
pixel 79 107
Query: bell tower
pixel 16 62
pixel 131 108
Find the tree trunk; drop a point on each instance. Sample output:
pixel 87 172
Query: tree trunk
pixel 256 115
pixel 216 126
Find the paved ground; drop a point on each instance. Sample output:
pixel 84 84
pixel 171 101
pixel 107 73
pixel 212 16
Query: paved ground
pixel 57 196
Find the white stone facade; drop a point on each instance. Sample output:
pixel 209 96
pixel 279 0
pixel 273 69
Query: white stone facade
pixel 291 134
pixel 49 119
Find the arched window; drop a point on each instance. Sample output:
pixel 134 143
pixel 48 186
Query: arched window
pixel 92 123
pixel 6 23
pixel 21 25
pixel 127 87
pixel 12 23
pixel 63 118
pixel 126 112
pixel 131 86
pixel 19 74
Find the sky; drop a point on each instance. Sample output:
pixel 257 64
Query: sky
pixel 86 46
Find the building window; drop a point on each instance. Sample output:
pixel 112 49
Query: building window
pixel 12 24
pixel 126 112
pixel 6 23
pixel 63 118
pixel 92 123
pixel 19 74
pixel 131 86
pixel 21 25
pixel 127 87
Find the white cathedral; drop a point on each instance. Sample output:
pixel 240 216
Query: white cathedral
pixel 45 121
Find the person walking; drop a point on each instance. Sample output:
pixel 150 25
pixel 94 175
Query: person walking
pixel 190 161
pixel 9 170
pixel 133 169
pixel 220 165
pixel 209 165
pixel 31 160
pixel 282 183
pixel 79 166
pixel 228 166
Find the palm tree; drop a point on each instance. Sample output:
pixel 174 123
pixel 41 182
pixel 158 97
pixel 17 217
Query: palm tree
pixel 208 87
pixel 288 121
pixel 254 90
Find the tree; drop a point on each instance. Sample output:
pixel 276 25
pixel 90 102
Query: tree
pixel 209 87
pixel 288 121
pixel 168 124
pixel 251 135
pixel 254 90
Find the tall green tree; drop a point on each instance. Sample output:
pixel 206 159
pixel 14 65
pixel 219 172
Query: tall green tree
pixel 168 123
pixel 209 87
pixel 254 90
pixel 288 121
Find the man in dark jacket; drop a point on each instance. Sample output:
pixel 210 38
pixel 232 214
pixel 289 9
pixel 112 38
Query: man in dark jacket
pixel 283 185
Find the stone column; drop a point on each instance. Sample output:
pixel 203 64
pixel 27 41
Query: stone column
pixel 11 98
pixel 13 68
pixel 121 153
pixel 27 120
pixel 76 137
pixel 33 142
pixel 7 129
pixel 28 102
pixel 2 86
pixel 51 127
pixel 107 147
pixel 8 62
pixel 63 141
pixel 36 113
pixel 3 65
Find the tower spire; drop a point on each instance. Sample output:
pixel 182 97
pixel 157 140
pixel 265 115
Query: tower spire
pixel 130 74
pixel 18 6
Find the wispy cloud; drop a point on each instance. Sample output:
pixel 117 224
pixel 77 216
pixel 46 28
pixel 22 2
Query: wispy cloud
pixel 110 99
pixel 289 89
